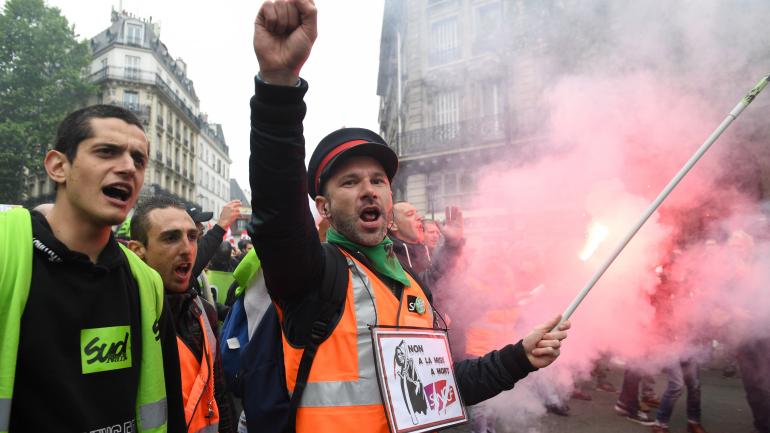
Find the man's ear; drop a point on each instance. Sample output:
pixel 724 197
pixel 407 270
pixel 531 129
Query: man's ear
pixel 322 206
pixel 392 219
pixel 57 166
pixel 138 248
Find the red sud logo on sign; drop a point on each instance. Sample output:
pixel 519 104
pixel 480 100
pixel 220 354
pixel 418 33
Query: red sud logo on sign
pixel 440 396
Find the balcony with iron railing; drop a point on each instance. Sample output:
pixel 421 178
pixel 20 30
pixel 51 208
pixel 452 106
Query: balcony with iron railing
pixel 467 134
pixel 142 111
pixel 136 75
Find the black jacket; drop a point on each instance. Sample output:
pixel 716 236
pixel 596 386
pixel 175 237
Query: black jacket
pixel 185 312
pixel 286 240
pixel 418 259
pixel 207 247
pixel 415 256
pixel 68 295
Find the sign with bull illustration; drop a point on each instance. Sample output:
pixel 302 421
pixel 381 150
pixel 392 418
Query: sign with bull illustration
pixel 417 379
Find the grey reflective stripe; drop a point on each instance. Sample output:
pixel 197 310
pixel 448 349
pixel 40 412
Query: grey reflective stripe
pixel 213 428
pixel 153 415
pixel 206 325
pixel 365 390
pixel 5 413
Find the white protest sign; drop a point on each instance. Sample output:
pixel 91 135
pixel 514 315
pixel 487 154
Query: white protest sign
pixel 417 379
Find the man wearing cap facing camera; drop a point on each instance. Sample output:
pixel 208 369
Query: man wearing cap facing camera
pixel 349 177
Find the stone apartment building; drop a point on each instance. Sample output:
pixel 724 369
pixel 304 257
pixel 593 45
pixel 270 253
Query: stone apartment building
pixel 458 91
pixel 189 157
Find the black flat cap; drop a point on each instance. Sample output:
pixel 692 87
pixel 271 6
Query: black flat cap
pixel 341 145
pixel 198 215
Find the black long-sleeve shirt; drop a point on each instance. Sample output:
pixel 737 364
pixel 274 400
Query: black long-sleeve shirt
pixel 286 240
pixel 207 247
pixel 70 295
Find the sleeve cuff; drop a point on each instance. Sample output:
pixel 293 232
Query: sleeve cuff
pixel 514 358
pixel 217 229
pixel 270 93
pixel 260 78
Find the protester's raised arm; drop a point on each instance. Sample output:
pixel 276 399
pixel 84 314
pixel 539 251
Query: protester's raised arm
pixel 282 228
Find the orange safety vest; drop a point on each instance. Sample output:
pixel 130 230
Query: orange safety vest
pixel 490 331
pixel 200 408
pixel 342 392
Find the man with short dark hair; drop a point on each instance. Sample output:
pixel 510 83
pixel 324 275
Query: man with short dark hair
pixel 165 237
pixel 87 343
pixel 349 178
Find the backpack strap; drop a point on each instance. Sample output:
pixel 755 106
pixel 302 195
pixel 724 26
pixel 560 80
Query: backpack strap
pixel 333 291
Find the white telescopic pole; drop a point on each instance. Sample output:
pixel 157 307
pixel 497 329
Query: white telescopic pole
pixel 662 196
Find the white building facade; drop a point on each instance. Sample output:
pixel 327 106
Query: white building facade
pixel 213 159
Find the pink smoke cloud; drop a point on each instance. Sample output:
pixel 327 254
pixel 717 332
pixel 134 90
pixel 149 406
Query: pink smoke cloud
pixel 620 139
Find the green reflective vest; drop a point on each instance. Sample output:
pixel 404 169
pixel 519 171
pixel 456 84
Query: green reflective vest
pixel 220 281
pixel 246 272
pixel 15 278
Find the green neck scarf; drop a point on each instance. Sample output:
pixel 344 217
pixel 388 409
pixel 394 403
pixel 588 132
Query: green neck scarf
pixel 381 255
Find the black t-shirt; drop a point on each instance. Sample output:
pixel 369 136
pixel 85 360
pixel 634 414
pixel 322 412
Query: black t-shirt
pixel 80 341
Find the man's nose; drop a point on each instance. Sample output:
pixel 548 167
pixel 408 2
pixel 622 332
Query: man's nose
pixel 187 246
pixel 126 164
pixel 368 189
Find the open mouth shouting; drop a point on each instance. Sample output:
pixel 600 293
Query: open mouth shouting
pixel 182 271
pixel 118 193
pixel 370 217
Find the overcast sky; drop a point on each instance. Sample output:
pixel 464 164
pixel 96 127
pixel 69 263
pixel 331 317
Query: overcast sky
pixel 214 39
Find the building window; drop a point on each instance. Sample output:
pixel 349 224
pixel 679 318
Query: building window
pixel 488 22
pixel 446 115
pixel 134 33
pixel 133 67
pixel 447 189
pixel 444 41
pixel 131 100
pixel 450 183
pixel 491 107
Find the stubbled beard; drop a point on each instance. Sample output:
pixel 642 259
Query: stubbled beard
pixel 347 228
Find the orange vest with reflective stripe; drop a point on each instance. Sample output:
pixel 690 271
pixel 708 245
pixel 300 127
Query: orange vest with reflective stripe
pixel 342 392
pixel 200 408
